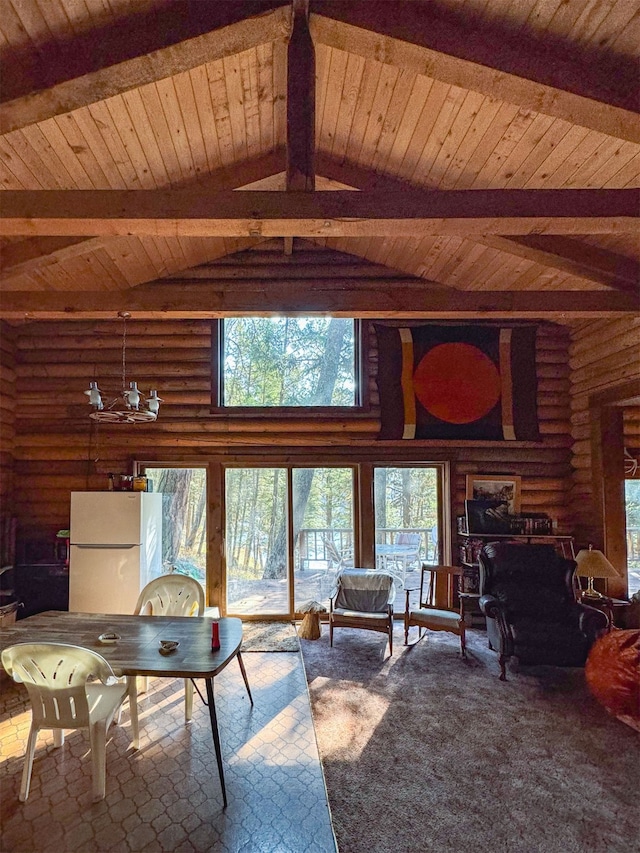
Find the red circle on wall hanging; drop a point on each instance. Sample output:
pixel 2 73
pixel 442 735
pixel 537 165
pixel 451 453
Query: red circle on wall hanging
pixel 457 383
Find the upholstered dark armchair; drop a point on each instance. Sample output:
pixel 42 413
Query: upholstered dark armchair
pixel 528 594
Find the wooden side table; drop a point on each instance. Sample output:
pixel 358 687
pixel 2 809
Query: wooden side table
pixel 606 605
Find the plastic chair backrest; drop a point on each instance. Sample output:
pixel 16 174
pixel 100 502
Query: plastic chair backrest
pixel 171 595
pixel 55 675
pixel 412 540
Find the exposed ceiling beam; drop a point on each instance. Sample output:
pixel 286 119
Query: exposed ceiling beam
pixel 563 253
pixel 35 252
pixel 405 39
pixel 198 213
pixel 114 79
pixel 574 256
pixel 301 102
pixel 219 299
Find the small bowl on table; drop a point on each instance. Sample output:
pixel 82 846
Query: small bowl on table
pixel 168 646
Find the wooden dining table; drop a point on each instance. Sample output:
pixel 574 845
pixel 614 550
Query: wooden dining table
pixel 136 652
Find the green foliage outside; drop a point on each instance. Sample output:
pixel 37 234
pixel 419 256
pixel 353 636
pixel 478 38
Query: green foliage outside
pixel 280 361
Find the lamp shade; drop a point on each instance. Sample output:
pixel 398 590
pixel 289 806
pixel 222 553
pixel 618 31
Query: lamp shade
pixel 593 564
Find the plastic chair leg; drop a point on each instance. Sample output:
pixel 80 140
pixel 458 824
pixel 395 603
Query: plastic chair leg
pixel 58 737
pixel 133 711
pixel 188 699
pixel 28 764
pixel 98 736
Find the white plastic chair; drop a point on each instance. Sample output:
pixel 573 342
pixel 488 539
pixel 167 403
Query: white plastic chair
pixel 173 595
pixel 56 677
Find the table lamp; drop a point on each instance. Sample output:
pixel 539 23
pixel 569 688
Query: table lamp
pixel 593 564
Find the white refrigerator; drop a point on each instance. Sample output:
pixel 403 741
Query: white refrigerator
pixel 115 549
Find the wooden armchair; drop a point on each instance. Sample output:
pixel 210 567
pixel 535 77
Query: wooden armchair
pixel 427 614
pixel 363 598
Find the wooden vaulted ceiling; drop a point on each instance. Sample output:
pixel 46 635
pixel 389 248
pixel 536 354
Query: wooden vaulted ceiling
pixel 495 146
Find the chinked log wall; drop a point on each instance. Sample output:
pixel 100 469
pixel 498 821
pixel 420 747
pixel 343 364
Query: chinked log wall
pixel 603 354
pixel 56 451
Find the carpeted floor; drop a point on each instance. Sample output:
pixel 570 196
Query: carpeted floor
pixel 269 637
pixel 424 751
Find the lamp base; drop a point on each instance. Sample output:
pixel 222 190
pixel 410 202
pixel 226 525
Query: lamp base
pixel 590 592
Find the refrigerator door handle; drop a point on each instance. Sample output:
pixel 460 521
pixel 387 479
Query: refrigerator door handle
pixel 106 547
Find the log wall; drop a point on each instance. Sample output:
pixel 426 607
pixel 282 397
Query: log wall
pixel 59 449
pixel 7 413
pixel 603 354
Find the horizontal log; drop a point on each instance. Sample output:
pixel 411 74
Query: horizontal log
pixel 108 344
pixel 112 359
pixel 85 371
pixel 135 329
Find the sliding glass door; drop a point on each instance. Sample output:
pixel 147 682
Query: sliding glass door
pixel 407 518
pixel 287 532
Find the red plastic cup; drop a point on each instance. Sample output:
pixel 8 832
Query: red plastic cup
pixel 215 636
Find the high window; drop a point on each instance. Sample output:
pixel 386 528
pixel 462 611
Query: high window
pixel 286 363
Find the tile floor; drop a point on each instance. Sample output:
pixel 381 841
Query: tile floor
pixel 166 796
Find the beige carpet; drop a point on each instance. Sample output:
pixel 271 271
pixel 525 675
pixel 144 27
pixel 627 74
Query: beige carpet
pixel 269 637
pixel 425 751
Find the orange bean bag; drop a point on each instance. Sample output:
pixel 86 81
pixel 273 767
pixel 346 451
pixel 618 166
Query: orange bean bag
pixel 613 674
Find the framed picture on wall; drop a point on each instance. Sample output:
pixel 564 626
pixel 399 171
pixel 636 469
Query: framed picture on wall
pixel 495 487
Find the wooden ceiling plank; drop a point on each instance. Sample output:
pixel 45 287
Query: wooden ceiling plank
pixel 57 141
pixel 432 106
pixel 78 145
pixel 330 84
pixel 235 106
pixel 202 96
pixel 96 143
pixel 364 107
pixel 373 130
pixel 387 40
pixel 142 70
pixel 177 130
pixel 454 137
pixel 515 132
pixel 547 134
pixel 158 149
pixel 458 167
pixel 471 175
pixel 626 174
pixel 607 151
pixel 348 102
pixel 582 153
pixel 125 125
pixel 264 53
pixel 213 300
pixel 408 123
pixel 220 104
pixel 34 161
pixel 106 127
pixel 250 89
pixel 17 171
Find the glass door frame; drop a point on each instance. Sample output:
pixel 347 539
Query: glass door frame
pixel 289 467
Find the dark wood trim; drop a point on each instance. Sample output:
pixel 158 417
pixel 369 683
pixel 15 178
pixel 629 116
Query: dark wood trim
pixel 301 102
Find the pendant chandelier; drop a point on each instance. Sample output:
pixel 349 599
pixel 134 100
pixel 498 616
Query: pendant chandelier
pixel 131 406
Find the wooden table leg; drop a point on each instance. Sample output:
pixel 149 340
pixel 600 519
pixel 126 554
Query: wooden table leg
pixel 216 736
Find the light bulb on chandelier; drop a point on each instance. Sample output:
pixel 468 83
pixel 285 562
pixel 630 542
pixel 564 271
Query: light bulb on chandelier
pixel 130 406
